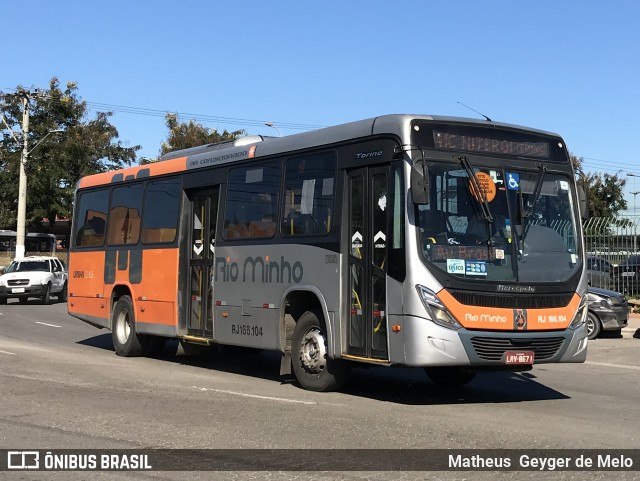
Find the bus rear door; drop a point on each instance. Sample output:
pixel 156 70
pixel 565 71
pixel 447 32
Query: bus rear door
pixel 204 213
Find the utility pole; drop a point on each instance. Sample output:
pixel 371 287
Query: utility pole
pixel 22 185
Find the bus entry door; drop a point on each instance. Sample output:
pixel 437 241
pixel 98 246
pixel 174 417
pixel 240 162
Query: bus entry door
pixel 368 226
pixel 204 212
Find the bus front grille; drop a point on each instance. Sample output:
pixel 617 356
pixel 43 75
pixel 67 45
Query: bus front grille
pixel 512 301
pixel 493 348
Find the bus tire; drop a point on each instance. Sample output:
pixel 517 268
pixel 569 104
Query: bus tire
pixel 449 376
pixel 311 364
pixel 126 341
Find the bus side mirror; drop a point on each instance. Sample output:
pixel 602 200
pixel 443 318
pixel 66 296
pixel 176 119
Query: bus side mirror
pixel 419 184
pixel 583 203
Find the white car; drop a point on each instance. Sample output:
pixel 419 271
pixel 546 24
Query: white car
pixel 41 277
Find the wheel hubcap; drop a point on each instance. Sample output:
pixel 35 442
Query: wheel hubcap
pixel 122 327
pixel 313 353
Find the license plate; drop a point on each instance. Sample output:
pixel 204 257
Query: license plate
pixel 518 357
pixel 17 290
pixel 628 274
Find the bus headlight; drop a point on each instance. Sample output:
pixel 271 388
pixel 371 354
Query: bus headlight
pixel 436 310
pixel 581 315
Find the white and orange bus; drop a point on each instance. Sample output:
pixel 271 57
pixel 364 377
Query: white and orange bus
pixel 449 244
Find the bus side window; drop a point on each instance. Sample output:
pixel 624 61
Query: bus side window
pixel 309 195
pixel 252 200
pixel 124 215
pixel 92 218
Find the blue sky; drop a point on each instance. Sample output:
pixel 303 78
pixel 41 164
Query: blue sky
pixel 571 67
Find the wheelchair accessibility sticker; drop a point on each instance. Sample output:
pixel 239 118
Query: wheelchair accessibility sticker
pixel 513 181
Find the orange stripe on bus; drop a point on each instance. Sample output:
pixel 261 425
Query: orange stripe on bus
pixel 157 168
pixel 507 319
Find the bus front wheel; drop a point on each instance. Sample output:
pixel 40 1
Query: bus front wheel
pixel 449 376
pixel 126 341
pixel 312 366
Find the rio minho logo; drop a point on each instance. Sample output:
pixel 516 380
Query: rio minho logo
pixel 23 460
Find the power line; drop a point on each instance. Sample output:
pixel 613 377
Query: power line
pixel 100 106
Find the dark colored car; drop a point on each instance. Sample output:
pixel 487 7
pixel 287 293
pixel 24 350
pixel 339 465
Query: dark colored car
pixel 599 272
pixel 626 276
pixel 608 311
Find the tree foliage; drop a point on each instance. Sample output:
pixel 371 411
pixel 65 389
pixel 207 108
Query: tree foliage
pixel 190 134
pixel 87 146
pixel 605 194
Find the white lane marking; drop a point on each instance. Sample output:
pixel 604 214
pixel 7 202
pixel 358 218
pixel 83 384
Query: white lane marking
pixel 45 324
pixel 7 352
pixel 255 396
pixel 609 364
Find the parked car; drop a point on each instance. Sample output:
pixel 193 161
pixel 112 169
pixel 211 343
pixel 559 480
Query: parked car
pixel 626 276
pixel 598 272
pixel 608 311
pixel 34 277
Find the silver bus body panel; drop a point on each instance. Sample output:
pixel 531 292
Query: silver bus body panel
pixel 253 281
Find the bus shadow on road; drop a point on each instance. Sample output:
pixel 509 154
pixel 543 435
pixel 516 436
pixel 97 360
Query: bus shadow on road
pixel 408 386
pixel 411 386
pixel 102 341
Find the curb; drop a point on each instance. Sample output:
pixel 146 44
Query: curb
pixel 630 333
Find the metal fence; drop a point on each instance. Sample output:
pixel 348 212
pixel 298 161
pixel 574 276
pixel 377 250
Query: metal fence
pixel 613 253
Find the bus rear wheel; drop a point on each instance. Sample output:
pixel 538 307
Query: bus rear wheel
pixel 449 376
pixel 312 366
pixel 126 341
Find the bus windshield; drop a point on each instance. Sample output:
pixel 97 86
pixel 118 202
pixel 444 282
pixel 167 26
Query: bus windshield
pixel 502 225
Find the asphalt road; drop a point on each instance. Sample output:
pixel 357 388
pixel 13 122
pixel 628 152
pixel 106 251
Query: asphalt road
pixel 62 386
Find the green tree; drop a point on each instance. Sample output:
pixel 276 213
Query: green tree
pixel 605 195
pixel 190 134
pixel 87 146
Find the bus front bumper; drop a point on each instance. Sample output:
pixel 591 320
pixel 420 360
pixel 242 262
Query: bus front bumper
pixel 427 344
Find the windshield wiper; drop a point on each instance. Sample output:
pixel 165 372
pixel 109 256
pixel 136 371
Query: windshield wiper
pixel 537 190
pixel 525 212
pixel 477 192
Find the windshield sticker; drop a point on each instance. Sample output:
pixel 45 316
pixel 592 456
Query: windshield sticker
pixel 564 185
pixel 499 254
pixel 495 176
pixel 513 181
pixel 487 186
pixel 476 268
pixel 455 266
